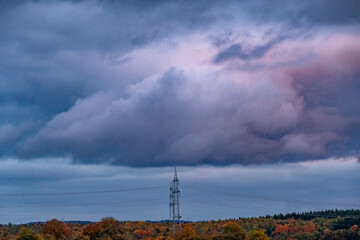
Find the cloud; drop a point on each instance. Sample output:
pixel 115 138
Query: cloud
pixel 189 116
pixel 305 14
pixel 237 51
pixel 184 84
pixel 308 144
pixel 175 118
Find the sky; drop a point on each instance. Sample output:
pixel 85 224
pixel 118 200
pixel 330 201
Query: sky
pixel 256 102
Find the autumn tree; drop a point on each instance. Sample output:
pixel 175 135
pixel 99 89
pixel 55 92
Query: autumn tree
pixel 26 234
pixel 280 229
pixel 232 231
pixel 140 233
pixel 160 238
pixel 338 235
pixel 354 228
pixel 187 233
pixel 257 235
pixel 110 227
pixel 57 229
pixel 92 231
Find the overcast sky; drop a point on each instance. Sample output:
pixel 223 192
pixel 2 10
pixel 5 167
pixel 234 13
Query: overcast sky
pixel 259 99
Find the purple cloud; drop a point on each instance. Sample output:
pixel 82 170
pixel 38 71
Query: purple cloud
pixel 162 90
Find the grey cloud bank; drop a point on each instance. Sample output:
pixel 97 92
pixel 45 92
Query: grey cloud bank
pixel 169 120
pixel 93 81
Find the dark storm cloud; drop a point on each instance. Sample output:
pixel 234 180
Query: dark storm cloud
pixel 167 120
pixel 174 119
pixel 41 41
pixel 110 81
pixel 305 13
pixel 332 83
pixel 238 51
pixel 297 14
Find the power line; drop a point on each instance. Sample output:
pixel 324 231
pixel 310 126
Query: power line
pixel 87 213
pixel 193 200
pixel 243 195
pixel 83 204
pixel 81 193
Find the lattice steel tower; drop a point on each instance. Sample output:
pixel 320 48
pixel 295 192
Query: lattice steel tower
pixel 174 206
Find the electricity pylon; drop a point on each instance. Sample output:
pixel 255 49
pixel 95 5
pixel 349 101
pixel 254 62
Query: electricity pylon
pixel 174 206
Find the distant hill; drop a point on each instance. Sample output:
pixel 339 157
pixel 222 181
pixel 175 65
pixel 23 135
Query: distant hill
pixel 314 214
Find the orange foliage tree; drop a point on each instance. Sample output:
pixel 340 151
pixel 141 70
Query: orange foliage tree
pixel 92 231
pixel 281 228
pixel 26 234
pixel 257 235
pixel 232 231
pixel 187 233
pixel 57 229
pixel 139 233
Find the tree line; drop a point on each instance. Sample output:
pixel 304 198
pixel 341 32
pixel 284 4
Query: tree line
pixel 324 225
